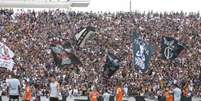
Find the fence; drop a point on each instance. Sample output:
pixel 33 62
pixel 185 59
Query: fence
pixel 85 98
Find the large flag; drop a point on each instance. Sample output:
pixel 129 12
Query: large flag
pixel 170 48
pixel 111 65
pixel 63 54
pixel 142 52
pixel 6 57
pixel 83 35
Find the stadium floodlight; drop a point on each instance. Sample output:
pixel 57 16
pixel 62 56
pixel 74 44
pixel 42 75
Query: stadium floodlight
pixel 43 3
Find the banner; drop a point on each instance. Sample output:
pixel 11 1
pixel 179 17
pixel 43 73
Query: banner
pixel 142 52
pixel 170 48
pixel 83 35
pixel 63 53
pixel 111 65
pixel 6 57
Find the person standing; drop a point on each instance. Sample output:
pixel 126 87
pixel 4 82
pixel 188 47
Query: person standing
pixel 13 88
pixel 119 92
pixel 177 93
pixel 28 94
pixel 126 89
pixel 186 95
pixel 54 89
pixel 106 96
pixel 93 95
pixel 168 95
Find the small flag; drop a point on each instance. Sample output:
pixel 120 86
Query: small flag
pixel 111 65
pixel 83 35
pixel 170 48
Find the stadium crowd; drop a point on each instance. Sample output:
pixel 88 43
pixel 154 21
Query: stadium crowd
pixel 26 33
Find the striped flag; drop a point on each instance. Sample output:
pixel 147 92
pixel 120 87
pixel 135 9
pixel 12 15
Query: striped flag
pixel 83 35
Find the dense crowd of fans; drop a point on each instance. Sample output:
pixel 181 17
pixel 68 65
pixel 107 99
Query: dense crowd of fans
pixel 26 33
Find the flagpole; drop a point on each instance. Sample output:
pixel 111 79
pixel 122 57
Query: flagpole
pixel 130 3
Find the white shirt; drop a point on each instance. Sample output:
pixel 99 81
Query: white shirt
pixel 53 90
pixel 13 85
pixel 75 92
pixel 177 94
pixel 106 97
pixel 70 92
pixel 126 89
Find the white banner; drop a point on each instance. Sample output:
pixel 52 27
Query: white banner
pixel 6 55
pixel 7 63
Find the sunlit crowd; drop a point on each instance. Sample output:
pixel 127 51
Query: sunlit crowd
pixel 26 33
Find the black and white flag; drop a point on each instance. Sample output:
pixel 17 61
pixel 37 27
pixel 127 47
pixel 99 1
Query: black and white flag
pixel 111 65
pixel 170 48
pixel 83 35
pixel 6 57
pixel 63 53
pixel 142 52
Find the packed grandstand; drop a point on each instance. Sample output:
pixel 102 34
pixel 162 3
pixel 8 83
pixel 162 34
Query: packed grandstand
pixel 27 34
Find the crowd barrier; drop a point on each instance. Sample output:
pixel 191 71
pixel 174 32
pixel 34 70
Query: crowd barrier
pixel 85 98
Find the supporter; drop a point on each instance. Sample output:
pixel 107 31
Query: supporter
pixel 26 33
pixel 177 93
pixel 119 92
pixel 106 96
pixel 13 88
pixel 54 89
pixel 28 93
pixel 94 95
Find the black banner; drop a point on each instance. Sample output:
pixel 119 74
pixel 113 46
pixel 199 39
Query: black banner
pixel 170 48
pixel 142 52
pixel 111 65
